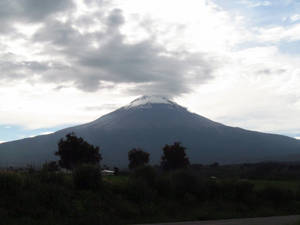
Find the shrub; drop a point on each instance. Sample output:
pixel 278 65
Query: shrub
pixel 244 191
pixel 146 173
pixel 214 189
pixel 184 182
pixel 140 191
pixel 51 177
pixel 87 177
pixel 53 197
pixel 227 189
pixel 51 166
pixel 10 182
pixel 163 185
pixel 276 195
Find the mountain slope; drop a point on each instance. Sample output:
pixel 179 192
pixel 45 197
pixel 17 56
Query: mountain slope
pixel 150 123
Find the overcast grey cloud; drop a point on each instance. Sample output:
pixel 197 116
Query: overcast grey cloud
pixel 29 11
pixel 89 58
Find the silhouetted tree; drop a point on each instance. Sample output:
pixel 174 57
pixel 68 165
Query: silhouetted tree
pixel 116 170
pixel 74 151
pixel 174 157
pixel 137 158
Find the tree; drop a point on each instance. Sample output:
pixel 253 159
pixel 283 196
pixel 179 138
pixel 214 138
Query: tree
pixel 137 158
pixel 74 151
pixel 174 157
pixel 116 170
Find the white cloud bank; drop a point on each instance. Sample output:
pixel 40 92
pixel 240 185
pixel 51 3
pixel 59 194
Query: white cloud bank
pixel 295 17
pixel 73 64
pixel 254 4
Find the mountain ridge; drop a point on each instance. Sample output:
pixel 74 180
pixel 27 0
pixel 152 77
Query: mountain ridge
pixel 150 123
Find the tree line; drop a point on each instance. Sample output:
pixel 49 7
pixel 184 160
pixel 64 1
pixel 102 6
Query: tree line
pixel 75 151
pixel 176 191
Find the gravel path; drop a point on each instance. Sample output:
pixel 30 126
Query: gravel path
pixel 277 220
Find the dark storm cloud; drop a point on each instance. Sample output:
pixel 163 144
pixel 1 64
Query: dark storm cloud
pixel 148 67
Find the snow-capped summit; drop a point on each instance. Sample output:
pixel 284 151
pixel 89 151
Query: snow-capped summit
pixel 148 100
pixel 150 122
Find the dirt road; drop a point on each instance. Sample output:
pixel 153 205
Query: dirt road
pixel 278 220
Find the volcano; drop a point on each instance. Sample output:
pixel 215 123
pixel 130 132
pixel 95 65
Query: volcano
pixel 150 122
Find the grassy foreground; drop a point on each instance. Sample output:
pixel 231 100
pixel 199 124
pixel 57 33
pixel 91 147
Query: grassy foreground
pixel 144 196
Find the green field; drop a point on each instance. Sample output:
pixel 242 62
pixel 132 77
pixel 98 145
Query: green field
pixel 116 180
pixel 145 195
pixel 293 185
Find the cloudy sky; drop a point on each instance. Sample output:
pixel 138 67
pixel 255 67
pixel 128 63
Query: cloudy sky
pixel 66 62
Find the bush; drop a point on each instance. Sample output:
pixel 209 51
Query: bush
pixel 146 173
pixel 214 189
pixel 53 197
pixel 51 177
pixel 140 191
pixel 163 185
pixel 227 189
pixel 51 166
pixel 244 191
pixel 184 182
pixel 276 195
pixel 87 177
pixel 10 183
